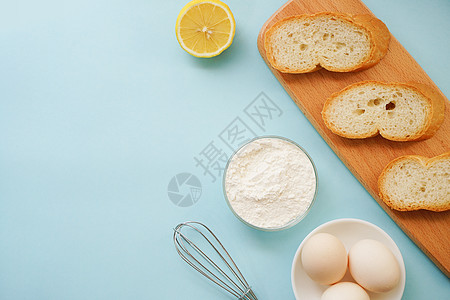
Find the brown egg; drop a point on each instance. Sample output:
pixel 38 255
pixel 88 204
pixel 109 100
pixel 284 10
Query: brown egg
pixel 324 258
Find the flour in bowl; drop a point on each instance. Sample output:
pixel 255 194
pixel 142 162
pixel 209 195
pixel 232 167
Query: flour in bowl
pixel 270 182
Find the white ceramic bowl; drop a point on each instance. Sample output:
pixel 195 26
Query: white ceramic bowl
pixel 349 231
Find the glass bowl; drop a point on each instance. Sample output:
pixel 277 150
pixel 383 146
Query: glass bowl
pixel 292 222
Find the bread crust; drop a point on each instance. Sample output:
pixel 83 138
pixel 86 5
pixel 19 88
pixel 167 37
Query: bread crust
pixel 381 38
pixel 376 29
pixel 435 100
pixel 425 162
pixel 437 108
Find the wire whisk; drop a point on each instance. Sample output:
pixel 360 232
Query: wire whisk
pixel 223 272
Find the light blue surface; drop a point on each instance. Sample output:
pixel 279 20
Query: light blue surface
pixel 100 108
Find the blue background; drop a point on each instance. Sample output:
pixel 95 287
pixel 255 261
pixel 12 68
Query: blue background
pixel 100 108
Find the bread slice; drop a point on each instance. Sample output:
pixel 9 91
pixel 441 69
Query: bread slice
pixel 334 41
pixel 415 182
pixel 397 111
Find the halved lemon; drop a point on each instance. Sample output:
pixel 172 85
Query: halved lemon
pixel 205 28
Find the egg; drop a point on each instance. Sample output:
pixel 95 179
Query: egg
pixel 373 266
pixel 345 291
pixel 324 258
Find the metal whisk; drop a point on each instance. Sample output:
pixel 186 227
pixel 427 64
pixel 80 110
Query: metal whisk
pixel 221 272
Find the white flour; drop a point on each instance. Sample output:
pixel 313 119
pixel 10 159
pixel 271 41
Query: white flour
pixel 270 182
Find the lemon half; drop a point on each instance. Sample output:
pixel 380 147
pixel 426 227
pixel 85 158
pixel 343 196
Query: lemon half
pixel 205 28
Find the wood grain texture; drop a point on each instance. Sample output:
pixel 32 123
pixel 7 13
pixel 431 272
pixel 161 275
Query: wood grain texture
pixel 367 158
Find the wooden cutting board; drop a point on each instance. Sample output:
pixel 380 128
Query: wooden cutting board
pixel 366 158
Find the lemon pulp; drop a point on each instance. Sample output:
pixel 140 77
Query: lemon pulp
pixel 205 28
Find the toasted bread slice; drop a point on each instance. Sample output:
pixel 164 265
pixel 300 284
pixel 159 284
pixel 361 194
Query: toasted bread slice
pixel 415 182
pixel 397 111
pixel 334 41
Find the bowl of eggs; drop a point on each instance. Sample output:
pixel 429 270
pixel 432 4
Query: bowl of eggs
pixel 348 259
